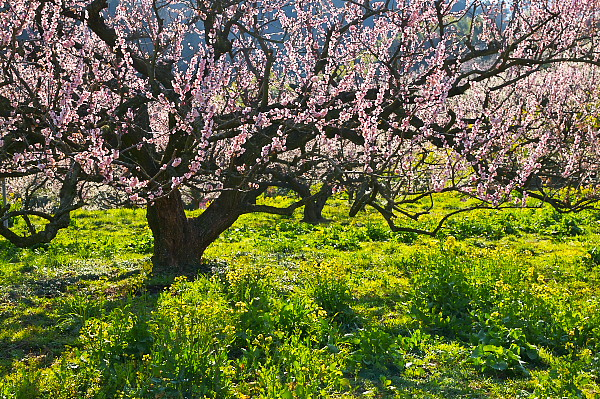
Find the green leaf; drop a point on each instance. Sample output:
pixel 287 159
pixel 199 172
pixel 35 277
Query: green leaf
pixel 501 366
pixel 287 394
pixel 478 352
pixel 333 348
pixel 532 354
pixel 492 348
pixel 345 382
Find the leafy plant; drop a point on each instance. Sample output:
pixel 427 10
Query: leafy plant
pixel 442 294
pixel 343 239
pixel 331 292
pixel 374 352
pixel 503 349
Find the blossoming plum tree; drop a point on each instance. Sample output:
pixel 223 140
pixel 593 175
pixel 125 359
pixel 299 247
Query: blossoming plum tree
pixel 399 99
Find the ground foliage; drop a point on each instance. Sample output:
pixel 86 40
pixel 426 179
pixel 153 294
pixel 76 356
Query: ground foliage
pixel 499 304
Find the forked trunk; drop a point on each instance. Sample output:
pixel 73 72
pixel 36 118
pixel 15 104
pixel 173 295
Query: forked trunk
pixel 313 209
pixel 179 241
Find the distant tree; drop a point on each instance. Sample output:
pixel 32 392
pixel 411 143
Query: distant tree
pixel 397 100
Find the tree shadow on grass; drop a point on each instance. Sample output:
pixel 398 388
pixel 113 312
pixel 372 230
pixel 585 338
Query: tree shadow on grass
pixel 40 317
pixel 442 388
pixel 428 380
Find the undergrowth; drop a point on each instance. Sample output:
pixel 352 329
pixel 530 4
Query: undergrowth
pixel 499 304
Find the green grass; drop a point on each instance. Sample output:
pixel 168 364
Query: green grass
pixel 499 305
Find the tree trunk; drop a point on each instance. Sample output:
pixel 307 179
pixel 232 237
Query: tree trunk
pixel 179 241
pixel 313 209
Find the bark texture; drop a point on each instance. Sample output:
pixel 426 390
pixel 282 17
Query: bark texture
pixel 313 209
pixel 179 241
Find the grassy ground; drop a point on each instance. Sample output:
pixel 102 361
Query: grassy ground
pixel 499 305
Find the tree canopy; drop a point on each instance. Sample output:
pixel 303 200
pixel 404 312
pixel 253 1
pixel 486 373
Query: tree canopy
pixel 396 100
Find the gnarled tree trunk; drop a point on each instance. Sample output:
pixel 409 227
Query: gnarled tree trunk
pixel 313 209
pixel 313 203
pixel 179 241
